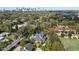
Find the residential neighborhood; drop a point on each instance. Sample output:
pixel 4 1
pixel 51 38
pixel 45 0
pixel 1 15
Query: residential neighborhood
pixel 39 30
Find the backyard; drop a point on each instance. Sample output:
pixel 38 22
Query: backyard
pixel 70 44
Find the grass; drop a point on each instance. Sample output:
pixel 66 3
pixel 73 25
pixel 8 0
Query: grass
pixel 70 44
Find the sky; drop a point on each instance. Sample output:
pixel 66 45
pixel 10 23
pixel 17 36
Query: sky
pixel 39 3
pixel 49 4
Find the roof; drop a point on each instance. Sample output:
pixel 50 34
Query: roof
pixel 20 25
pixel 4 33
pixel 29 46
pixel 37 36
pixel 66 14
pixel 1 38
pixel 61 28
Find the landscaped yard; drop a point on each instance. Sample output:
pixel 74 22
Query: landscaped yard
pixel 70 44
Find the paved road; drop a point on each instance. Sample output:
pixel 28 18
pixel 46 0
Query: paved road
pixel 14 43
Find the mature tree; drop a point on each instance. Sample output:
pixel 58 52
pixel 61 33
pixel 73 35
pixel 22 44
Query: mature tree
pixel 53 43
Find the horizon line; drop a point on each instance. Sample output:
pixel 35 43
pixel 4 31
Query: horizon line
pixel 47 8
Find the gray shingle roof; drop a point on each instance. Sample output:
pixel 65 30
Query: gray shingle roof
pixel 29 46
pixel 1 38
pixel 37 36
pixel 4 33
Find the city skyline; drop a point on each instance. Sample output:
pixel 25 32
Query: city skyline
pixel 47 8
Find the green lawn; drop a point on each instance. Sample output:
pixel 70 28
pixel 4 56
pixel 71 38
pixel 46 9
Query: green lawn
pixel 70 44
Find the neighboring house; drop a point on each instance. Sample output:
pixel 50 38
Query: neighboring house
pixel 38 20
pixel 2 35
pixel 75 36
pixel 28 47
pixel 1 38
pixel 66 37
pixel 67 14
pixel 20 25
pixel 77 14
pixel 59 29
pixel 62 29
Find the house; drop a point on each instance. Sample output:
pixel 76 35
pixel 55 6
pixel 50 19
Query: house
pixel 67 14
pixel 75 36
pixel 1 38
pixel 28 47
pixel 62 29
pixel 37 36
pixel 2 35
pixel 20 25
pixel 77 14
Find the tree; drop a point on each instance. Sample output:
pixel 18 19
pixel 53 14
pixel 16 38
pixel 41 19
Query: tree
pixel 68 23
pixel 12 37
pixel 53 22
pixel 77 28
pixel 23 42
pixel 70 34
pixel 62 34
pixel 53 43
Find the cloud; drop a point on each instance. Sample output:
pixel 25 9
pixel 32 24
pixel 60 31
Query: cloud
pixel 39 3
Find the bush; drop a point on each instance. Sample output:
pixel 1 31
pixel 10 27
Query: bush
pixel 62 35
